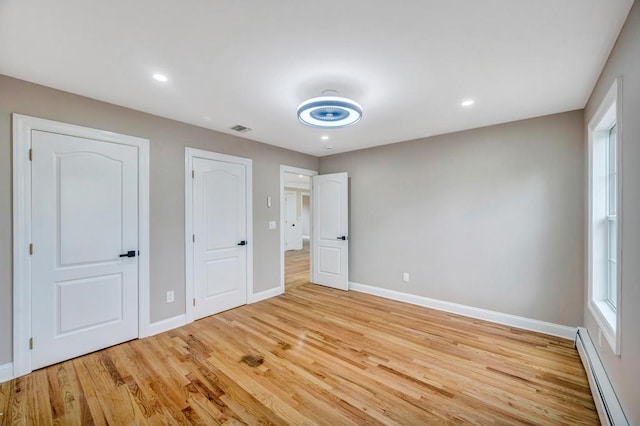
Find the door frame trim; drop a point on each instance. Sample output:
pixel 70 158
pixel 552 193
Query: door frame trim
pixel 189 155
pixel 305 172
pixel 23 125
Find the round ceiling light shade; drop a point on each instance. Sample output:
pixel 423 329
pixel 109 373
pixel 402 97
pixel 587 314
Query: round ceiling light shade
pixel 329 112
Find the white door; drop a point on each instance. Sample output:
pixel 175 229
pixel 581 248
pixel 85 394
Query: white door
pixel 84 218
pixel 220 233
pixel 330 239
pixel 292 230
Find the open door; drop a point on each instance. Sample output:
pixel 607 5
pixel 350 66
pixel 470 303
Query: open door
pixel 330 235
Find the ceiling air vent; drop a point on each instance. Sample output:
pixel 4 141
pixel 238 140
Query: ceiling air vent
pixel 240 129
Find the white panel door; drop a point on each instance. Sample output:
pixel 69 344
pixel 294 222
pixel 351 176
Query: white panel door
pixel 330 239
pixel 220 232
pixel 292 230
pixel 84 217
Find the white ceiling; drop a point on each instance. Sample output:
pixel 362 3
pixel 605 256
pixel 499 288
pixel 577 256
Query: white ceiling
pixel 409 63
pixel 298 181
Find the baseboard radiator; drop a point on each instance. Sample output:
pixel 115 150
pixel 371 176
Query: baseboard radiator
pixel 607 404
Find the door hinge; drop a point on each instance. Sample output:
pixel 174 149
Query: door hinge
pixel 194 301
pixel 31 343
pixel 194 238
pixel 193 174
pixel 31 248
pixel 30 154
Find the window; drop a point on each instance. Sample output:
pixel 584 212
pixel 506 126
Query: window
pixel 612 246
pixel 604 224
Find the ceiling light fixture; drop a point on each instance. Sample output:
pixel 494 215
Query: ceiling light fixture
pixel 467 103
pixel 329 111
pixel 324 138
pixel 160 77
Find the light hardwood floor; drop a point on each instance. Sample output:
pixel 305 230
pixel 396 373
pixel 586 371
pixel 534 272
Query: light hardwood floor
pixel 315 356
pixel 296 267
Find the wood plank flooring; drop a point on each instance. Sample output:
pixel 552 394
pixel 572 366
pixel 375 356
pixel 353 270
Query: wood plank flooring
pixel 315 356
pixel 296 263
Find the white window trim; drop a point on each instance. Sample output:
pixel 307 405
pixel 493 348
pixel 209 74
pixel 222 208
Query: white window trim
pixel 611 218
pixel 608 113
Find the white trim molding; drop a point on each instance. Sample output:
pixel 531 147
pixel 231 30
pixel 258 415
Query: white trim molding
pixel 166 325
pixel 470 311
pixel 189 155
pixel 297 185
pixel 265 294
pixel 23 126
pixel 607 403
pixel 6 372
pixel 305 172
pixel 609 319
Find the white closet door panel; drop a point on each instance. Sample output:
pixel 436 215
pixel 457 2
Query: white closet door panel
pixel 84 216
pixel 220 227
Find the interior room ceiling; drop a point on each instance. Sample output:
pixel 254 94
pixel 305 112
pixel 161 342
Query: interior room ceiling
pixel 409 63
pixel 294 179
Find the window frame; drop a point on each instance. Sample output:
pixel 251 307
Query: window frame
pixel 611 211
pixel 606 313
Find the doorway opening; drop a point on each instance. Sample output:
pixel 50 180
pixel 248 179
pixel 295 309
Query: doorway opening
pixel 296 225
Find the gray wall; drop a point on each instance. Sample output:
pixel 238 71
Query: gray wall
pixel 624 370
pixel 491 217
pixel 168 140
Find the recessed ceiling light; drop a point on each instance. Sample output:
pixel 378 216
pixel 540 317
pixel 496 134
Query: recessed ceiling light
pixel 160 77
pixel 324 138
pixel 301 176
pixel 467 102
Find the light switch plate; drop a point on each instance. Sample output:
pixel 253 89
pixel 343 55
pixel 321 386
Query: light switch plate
pixel 272 224
pixel 170 296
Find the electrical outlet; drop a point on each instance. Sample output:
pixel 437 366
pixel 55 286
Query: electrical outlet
pixel 171 296
pixel 272 224
pixel 405 277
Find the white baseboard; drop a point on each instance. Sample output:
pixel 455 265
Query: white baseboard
pixel 266 294
pixel 180 320
pixel 470 311
pixel 166 325
pixel 6 372
pixel 607 403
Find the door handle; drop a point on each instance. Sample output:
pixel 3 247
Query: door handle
pixel 242 243
pixel 343 238
pixel 130 253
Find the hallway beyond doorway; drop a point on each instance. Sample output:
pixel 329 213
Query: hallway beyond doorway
pixel 296 267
